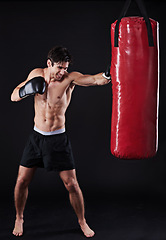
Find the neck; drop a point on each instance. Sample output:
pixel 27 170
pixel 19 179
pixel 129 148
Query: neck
pixel 47 75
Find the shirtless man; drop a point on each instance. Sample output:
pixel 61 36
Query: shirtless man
pixel 48 145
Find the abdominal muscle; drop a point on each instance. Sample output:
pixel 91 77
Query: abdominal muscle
pixel 49 121
pixel 50 109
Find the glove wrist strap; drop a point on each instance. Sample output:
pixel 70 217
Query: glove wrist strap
pixel 107 77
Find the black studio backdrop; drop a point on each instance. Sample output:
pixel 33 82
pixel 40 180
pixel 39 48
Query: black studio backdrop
pixel 28 29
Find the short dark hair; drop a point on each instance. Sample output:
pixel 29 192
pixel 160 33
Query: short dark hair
pixel 59 54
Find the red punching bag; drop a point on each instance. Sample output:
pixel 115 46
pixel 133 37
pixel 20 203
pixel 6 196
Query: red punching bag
pixel 135 85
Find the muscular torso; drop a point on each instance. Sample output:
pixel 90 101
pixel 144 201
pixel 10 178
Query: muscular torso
pixel 50 107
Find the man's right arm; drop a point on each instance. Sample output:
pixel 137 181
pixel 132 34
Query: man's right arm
pixel 35 83
pixel 91 80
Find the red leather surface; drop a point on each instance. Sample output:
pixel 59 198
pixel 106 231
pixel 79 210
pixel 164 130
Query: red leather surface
pixel 134 72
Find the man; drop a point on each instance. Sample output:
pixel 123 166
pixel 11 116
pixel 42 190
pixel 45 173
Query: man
pixel 48 145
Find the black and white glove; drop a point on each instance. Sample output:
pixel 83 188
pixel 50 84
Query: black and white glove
pixel 107 74
pixel 33 86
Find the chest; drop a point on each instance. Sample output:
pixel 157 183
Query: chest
pixel 56 93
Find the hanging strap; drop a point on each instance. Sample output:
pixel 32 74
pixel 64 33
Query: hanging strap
pixel 144 14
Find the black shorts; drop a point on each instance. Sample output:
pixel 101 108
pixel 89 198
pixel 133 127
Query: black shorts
pixel 50 152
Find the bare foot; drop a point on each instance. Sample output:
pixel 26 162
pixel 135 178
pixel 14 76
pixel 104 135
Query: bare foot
pixel 86 229
pixel 18 228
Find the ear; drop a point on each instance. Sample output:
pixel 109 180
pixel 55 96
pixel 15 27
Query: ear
pixel 49 63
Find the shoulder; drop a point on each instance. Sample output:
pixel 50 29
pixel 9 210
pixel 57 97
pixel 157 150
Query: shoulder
pixel 74 75
pixel 69 79
pixel 36 73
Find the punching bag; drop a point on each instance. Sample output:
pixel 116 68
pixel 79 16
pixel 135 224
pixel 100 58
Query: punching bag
pixel 135 85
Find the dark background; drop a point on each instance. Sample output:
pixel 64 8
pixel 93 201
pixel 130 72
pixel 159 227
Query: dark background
pixel 28 30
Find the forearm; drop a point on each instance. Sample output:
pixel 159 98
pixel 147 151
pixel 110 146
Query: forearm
pixel 89 80
pixel 95 80
pixel 15 95
pixel 100 80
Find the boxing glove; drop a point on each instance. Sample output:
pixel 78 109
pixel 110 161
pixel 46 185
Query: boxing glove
pixel 107 74
pixel 33 86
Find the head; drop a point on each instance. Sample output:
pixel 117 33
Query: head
pixel 58 61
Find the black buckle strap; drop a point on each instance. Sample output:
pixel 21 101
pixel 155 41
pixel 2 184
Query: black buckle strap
pixel 144 14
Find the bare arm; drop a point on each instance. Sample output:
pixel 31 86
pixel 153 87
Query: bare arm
pixel 15 94
pixel 88 80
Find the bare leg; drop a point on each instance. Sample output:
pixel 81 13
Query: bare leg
pixel 20 196
pixel 76 199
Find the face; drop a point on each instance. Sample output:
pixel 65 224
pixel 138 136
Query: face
pixel 58 70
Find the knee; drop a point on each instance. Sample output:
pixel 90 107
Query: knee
pixel 72 185
pixel 22 182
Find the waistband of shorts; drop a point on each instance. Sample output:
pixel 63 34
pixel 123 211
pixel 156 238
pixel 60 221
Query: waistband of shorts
pixel 59 131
